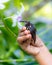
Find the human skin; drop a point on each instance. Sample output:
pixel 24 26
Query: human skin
pixel 36 49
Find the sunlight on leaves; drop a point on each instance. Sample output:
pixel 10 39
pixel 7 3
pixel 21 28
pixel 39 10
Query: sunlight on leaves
pixel 2 6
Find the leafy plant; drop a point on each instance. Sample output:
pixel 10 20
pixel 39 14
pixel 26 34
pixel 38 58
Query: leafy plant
pixel 10 52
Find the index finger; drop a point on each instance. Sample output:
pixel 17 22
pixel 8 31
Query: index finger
pixel 23 29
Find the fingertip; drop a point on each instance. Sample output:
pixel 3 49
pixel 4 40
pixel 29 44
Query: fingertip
pixel 28 31
pixel 29 36
pixel 24 28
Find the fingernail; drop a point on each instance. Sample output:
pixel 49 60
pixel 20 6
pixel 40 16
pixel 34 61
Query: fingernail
pixel 24 27
pixel 28 31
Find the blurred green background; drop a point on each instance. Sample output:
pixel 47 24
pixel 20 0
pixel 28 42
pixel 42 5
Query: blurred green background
pixel 38 12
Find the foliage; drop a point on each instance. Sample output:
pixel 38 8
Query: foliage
pixel 10 52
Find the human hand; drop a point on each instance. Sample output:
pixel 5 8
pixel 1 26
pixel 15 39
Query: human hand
pixel 27 43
